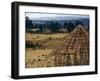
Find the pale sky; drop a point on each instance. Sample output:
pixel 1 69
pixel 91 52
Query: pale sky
pixel 44 16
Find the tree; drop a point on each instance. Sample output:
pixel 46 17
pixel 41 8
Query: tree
pixel 28 23
pixel 70 26
pixel 88 28
pixel 41 28
pixel 65 25
pixel 54 26
pixel 78 23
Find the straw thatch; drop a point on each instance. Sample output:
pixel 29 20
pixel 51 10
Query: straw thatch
pixel 75 50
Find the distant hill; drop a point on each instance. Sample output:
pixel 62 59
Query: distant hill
pixel 85 21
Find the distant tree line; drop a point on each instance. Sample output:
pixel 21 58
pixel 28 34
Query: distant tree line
pixel 52 26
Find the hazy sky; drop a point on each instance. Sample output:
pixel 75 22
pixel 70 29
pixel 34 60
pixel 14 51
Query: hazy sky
pixel 44 16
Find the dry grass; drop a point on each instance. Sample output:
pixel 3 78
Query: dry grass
pixel 37 58
pixel 36 37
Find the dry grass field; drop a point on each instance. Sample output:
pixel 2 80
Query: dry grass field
pixel 39 57
pixel 36 37
pixel 59 49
